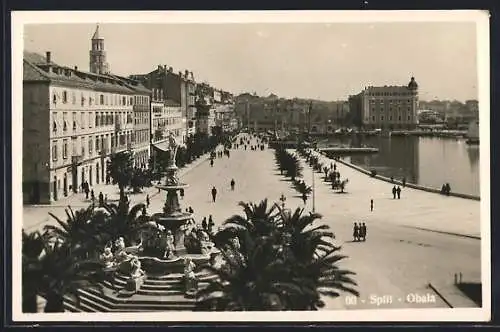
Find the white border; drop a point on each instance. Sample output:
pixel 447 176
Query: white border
pixel 481 18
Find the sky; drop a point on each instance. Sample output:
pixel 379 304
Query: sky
pixel 327 61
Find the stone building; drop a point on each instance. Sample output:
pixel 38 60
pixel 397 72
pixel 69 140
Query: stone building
pixel 387 107
pixel 72 121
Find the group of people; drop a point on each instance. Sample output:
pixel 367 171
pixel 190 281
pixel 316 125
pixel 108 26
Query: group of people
pixel 396 191
pixel 359 233
pixel 208 226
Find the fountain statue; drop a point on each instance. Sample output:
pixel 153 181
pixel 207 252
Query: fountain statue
pixel 173 217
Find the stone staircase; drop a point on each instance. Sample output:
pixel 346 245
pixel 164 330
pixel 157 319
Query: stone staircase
pixel 158 293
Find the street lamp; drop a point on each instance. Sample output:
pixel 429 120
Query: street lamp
pixel 312 168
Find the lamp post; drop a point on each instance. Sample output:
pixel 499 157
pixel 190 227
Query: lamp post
pixel 312 168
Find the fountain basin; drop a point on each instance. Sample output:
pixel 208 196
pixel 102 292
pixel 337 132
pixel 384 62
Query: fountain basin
pixel 168 187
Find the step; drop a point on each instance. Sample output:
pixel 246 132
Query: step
pixel 83 306
pixel 139 299
pixel 101 301
pixel 69 307
pixel 160 292
pixel 116 286
pixel 160 286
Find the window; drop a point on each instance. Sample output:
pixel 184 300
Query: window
pixel 399 118
pixel 101 100
pixel 90 101
pixel 97 119
pixel 90 120
pixel 382 118
pixel 83 149
pixel 97 141
pixel 54 123
pixel 82 100
pixel 82 120
pixel 124 101
pixel 54 150
pixel 90 145
pixel 73 98
pixel 74 120
pixel 409 118
pixel 131 101
pixel 65 96
pixel 65 149
pixel 65 122
pixel 373 118
pixel 54 98
pixel 390 118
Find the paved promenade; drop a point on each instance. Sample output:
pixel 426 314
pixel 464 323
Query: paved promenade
pixel 396 260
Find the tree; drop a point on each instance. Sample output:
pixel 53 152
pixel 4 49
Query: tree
pixel 287 265
pixel 79 231
pixel 122 221
pixel 32 249
pixel 53 269
pixel 120 168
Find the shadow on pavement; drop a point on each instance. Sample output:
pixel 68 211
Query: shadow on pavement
pixel 473 291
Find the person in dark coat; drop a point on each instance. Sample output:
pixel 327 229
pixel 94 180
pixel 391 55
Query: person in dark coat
pixel 232 184
pixel 394 190
pixel 147 200
pixel 211 224
pixel 362 230
pixel 371 204
pixel 101 199
pixel 355 233
pixel 214 194
pixel 404 182
pixel 398 191
pixel 204 224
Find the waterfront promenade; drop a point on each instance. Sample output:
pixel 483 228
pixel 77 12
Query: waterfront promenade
pixel 396 260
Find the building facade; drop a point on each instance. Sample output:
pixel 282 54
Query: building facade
pixel 72 121
pixel 387 107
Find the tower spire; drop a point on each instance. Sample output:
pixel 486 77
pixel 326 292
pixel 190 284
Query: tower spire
pixel 96 33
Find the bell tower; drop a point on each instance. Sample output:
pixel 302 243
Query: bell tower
pixel 98 64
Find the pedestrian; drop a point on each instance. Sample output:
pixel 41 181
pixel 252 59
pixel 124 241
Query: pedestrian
pixel 232 184
pixel 404 182
pixel 147 200
pixel 355 233
pixel 363 231
pixel 211 163
pixel 204 224
pixel 304 198
pixel 106 198
pixel 392 179
pixel 92 195
pixel 394 190
pixel 371 204
pixel 398 191
pixel 101 199
pixel 191 210
pixel 335 167
pixel 214 194
pixel 87 192
pixel 211 224
pixel 181 192
pixel 447 189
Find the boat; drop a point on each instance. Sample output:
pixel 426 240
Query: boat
pixel 473 133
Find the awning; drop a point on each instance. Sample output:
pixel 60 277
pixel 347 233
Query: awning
pixel 162 146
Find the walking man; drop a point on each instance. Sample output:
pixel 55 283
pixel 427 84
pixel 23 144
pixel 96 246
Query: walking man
pixel 211 163
pixel 371 205
pixel 398 191
pixel 147 200
pixel 394 190
pixel 214 194
pixel 211 224
pixel 204 224
pixel 232 184
pixel 355 233
pixel 363 231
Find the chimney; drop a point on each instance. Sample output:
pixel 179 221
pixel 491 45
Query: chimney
pixel 76 68
pixel 186 73
pixel 47 57
pixel 170 69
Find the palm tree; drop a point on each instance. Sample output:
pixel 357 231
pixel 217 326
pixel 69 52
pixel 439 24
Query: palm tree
pixel 257 221
pixel 64 274
pixel 53 269
pixel 287 264
pixel 120 168
pixel 32 249
pixel 79 231
pixel 122 221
